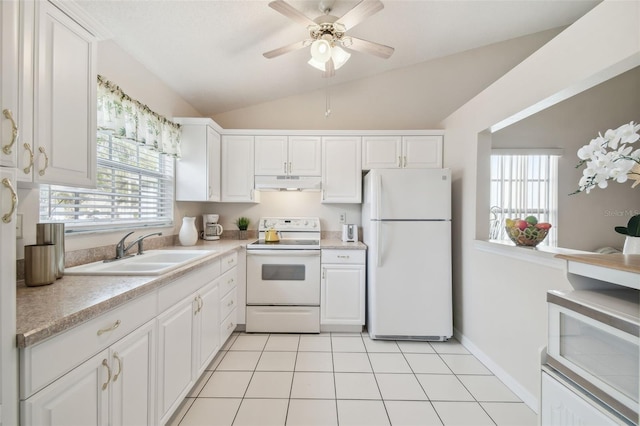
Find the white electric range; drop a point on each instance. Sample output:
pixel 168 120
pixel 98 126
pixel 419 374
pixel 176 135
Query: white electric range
pixel 283 277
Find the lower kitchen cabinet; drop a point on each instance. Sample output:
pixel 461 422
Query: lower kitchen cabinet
pixel 342 290
pixel 114 387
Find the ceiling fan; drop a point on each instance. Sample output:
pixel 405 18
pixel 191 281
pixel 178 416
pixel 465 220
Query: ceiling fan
pixel 327 34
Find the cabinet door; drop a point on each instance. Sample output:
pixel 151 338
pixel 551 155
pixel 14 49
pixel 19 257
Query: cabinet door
pixel 341 170
pixel 237 169
pixel 65 100
pixel 305 156
pixel 208 325
pixel 132 385
pixel 422 152
pixel 213 164
pixel 192 167
pixel 342 292
pixel 271 156
pixel 381 152
pixel 175 354
pixel 9 83
pixel 80 397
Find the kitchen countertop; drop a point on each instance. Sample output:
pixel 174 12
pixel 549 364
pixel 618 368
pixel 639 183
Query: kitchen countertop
pixel 618 261
pixel 48 310
pixel 341 245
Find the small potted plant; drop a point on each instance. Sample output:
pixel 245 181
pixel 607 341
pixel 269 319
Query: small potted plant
pixel 242 223
pixel 632 231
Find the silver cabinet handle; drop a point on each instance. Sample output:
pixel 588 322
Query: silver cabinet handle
pixel 117 358
pixel 405 161
pixel 27 169
pixel 340 256
pixel 108 329
pixel 289 167
pixel 106 365
pixel 46 161
pixel 14 131
pixel 285 168
pixel 399 161
pixel 6 218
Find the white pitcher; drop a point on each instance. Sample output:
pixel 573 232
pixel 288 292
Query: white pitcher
pixel 188 234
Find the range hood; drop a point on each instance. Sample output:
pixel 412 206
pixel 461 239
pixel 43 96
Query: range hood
pixel 288 183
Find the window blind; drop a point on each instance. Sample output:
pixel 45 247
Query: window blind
pixel 524 185
pixel 134 188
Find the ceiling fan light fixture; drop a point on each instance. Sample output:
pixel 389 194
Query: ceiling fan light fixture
pixel 317 64
pixel 321 51
pixel 339 56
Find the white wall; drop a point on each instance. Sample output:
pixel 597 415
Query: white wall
pixel 570 125
pixel 490 309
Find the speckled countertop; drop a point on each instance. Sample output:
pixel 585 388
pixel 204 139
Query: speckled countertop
pixel 72 300
pixel 619 261
pixel 48 310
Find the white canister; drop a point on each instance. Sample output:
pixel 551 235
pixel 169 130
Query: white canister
pixel 188 234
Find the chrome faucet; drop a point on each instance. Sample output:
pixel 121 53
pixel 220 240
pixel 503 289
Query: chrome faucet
pixel 121 250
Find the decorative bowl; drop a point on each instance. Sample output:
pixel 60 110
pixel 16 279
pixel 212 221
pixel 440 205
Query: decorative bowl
pixel 527 237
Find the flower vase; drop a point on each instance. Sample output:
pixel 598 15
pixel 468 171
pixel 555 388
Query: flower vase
pixel 188 234
pixel 631 245
pixel 242 234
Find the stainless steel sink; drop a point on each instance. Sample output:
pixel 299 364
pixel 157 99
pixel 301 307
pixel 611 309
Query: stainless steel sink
pixel 152 262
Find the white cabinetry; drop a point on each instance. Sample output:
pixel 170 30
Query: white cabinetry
pixel 342 290
pixel 198 170
pixel 287 155
pixel 228 295
pixel 341 169
pixel 58 94
pixel 564 404
pixel 237 169
pixel 8 83
pixel 400 152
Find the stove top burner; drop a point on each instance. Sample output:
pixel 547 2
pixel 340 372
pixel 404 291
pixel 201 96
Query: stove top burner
pixel 285 244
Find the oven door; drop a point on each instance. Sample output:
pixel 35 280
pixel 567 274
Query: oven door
pixel 283 277
pixel 599 355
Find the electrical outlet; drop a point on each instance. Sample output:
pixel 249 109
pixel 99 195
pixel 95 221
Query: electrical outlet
pixel 18 226
pixel 343 217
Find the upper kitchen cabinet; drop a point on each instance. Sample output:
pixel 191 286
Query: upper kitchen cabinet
pixel 402 152
pixel 341 169
pixel 58 98
pixel 287 155
pixel 237 169
pixel 9 83
pixel 198 170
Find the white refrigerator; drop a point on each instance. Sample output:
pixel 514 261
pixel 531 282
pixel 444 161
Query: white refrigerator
pixel 406 221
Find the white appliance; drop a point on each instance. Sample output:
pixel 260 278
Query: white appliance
pixel 283 277
pixel 212 230
pixel 406 220
pixel 593 341
pixel 349 233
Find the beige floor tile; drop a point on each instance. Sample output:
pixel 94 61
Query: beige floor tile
pixel 312 412
pixel 356 386
pixel 262 412
pixel 380 345
pixel 313 385
pixel 389 363
pixel 444 387
pixel 239 361
pixel 464 364
pixel 227 384
pixel 348 362
pixel 427 364
pixel 362 413
pixel 314 361
pixel 199 384
pixel 282 342
pixel 270 384
pixel 216 360
pixel 412 413
pixel 452 346
pixel 416 347
pixel 348 344
pixel 510 413
pixel 488 389
pixel 212 412
pixel 462 414
pixel 403 387
pixel 277 361
pixel 315 343
pixel 180 412
pixel 253 342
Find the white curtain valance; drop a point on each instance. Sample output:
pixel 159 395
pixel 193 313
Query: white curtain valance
pixel 129 119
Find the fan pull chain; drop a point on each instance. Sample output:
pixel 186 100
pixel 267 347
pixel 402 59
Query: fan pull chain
pixel 327 105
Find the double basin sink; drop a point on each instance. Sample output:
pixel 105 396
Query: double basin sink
pixel 152 262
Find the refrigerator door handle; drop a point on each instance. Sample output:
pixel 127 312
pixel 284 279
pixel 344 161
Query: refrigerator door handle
pixel 379 243
pixel 378 197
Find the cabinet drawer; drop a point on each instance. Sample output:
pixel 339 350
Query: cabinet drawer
pixel 228 261
pixel 175 291
pixel 227 326
pixel 344 256
pixel 228 303
pixel 228 282
pixel 43 363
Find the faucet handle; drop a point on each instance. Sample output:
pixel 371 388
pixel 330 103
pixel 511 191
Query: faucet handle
pixel 125 237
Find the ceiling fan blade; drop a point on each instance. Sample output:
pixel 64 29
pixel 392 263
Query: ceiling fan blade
pixel 360 11
pixel 285 49
pixel 291 12
pixel 377 49
pixel 329 69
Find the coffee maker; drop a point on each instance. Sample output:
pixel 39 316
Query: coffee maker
pixel 211 228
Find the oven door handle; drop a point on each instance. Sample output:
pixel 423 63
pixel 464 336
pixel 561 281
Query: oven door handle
pixel 300 253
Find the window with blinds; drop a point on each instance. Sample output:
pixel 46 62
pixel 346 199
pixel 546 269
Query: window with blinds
pixel 524 184
pixel 134 189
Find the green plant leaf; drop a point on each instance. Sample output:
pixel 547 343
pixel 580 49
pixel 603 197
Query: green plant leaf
pixel 633 227
pixel 621 230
